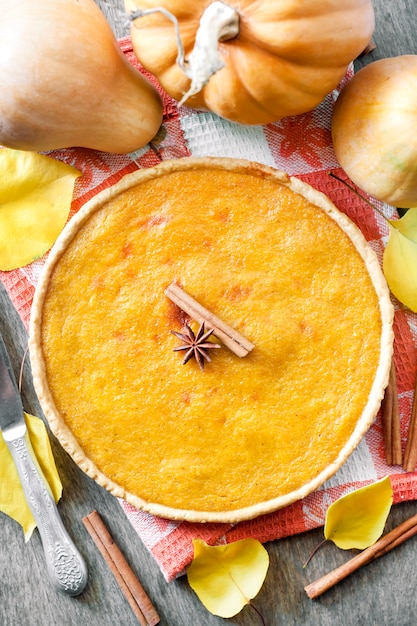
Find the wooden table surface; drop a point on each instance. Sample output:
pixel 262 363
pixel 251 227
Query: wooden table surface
pixel 382 593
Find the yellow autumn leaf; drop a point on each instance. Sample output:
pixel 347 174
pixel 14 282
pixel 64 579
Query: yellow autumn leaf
pixel 12 499
pixel 35 200
pixel 357 519
pixel 400 259
pixel 226 578
pixel 407 224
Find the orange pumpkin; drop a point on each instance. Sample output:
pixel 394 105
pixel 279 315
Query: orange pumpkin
pixel 374 130
pixel 254 62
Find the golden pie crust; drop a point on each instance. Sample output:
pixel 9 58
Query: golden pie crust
pixel 274 259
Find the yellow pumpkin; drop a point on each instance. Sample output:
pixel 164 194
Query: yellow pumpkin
pixel 374 130
pixel 250 62
pixel 65 81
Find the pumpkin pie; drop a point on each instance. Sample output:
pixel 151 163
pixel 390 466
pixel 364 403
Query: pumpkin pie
pixel 269 256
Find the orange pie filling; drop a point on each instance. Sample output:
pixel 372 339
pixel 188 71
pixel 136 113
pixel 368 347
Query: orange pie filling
pixel 266 259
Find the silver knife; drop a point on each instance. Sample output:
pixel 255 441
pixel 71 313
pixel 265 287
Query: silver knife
pixel 65 565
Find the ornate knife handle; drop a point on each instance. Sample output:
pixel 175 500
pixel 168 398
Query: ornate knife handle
pixel 65 565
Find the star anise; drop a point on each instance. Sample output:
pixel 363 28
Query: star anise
pixel 195 344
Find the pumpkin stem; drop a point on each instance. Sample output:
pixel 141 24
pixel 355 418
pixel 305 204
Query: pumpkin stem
pixel 219 22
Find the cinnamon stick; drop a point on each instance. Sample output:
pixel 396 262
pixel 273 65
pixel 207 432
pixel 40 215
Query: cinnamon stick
pixel 391 540
pixel 391 421
pixel 230 337
pixel 410 454
pixel 129 584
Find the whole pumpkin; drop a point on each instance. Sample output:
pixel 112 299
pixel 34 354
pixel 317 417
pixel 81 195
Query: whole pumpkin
pixel 374 130
pixel 65 81
pixel 279 57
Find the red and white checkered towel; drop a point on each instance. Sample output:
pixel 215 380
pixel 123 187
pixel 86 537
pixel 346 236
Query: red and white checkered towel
pixel 300 146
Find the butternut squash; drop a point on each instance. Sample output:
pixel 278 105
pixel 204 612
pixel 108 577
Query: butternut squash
pixel 65 81
pixel 374 130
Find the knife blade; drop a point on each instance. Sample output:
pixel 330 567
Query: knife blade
pixel 65 566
